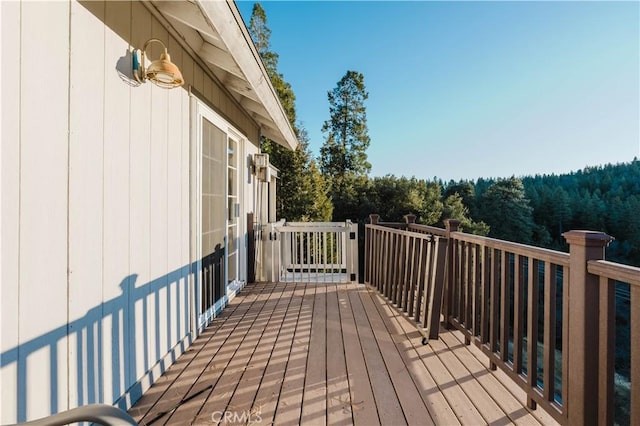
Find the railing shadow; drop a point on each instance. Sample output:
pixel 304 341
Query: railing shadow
pixel 106 360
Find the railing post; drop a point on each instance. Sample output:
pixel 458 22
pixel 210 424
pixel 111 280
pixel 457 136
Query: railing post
pixel 374 218
pixel 410 218
pixel 437 283
pixel 352 253
pixel 451 225
pixel 581 344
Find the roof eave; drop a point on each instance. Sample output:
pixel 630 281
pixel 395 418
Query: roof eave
pixel 216 33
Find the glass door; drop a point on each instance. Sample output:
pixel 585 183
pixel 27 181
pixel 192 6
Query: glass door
pixel 216 210
pixel 213 206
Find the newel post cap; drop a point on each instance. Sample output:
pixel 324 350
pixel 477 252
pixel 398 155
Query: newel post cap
pixel 452 225
pixel 587 238
pixel 410 218
pixel 374 218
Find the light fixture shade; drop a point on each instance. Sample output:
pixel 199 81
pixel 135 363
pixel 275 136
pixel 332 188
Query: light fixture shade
pixel 164 73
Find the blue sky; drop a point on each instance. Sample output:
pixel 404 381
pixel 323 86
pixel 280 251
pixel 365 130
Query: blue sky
pixel 461 90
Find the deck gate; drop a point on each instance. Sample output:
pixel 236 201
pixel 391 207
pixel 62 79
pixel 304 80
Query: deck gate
pixel 323 252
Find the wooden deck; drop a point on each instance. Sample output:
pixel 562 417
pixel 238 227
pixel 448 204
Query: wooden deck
pixel 315 354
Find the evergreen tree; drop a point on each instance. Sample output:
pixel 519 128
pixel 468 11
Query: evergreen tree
pixel 392 198
pixel 506 210
pixel 454 208
pixel 301 193
pixel 261 36
pixel 345 151
pixel 343 157
pixel 309 200
pixel 464 189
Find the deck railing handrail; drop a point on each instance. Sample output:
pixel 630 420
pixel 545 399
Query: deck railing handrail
pixel 552 256
pixel 615 271
pixel 426 229
pixel 500 293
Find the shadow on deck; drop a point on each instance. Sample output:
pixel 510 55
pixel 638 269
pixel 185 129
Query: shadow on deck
pixel 338 354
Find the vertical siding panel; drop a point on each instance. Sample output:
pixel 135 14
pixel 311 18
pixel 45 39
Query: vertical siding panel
pixel 140 182
pixel 223 104
pixel 10 190
pixel 174 231
pixel 235 116
pixel 215 94
pixel 43 208
pixel 187 69
pixel 85 204
pixel 198 78
pixel 157 318
pixel 187 296
pixel 116 278
pixel 206 86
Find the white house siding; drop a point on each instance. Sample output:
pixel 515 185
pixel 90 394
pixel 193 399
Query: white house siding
pixel 95 299
pixel 87 106
pixel 9 202
pixel 43 179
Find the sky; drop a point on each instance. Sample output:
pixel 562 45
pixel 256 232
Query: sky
pixel 462 90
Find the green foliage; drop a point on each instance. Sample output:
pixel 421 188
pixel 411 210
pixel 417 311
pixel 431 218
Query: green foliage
pixel 465 190
pixel 603 198
pixel 261 36
pixel 345 150
pixel 393 198
pixel 303 188
pixel 455 208
pixel 302 191
pixel 505 208
pixel 343 157
pixel 317 197
pixel 352 198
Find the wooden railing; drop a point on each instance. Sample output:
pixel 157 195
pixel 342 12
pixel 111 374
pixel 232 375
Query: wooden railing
pixel 408 269
pixel 609 275
pixel 497 294
pixel 544 317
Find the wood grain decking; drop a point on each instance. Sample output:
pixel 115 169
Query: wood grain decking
pixel 316 354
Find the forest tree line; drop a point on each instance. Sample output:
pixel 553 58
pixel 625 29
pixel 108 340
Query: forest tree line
pixel 532 210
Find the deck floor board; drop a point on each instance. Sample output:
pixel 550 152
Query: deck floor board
pixel 328 354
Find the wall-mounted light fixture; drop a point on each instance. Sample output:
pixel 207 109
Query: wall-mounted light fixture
pixel 261 160
pixel 261 167
pixel 162 72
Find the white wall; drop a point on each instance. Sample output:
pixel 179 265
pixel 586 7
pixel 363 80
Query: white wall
pixel 9 203
pixel 95 206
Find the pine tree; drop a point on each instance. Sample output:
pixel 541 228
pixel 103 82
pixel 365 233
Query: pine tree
pixel 343 157
pixel 454 208
pixel 298 174
pixel 506 210
pixel 345 150
pixel 261 36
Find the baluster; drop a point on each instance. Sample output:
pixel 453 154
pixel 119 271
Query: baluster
pixel 532 328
